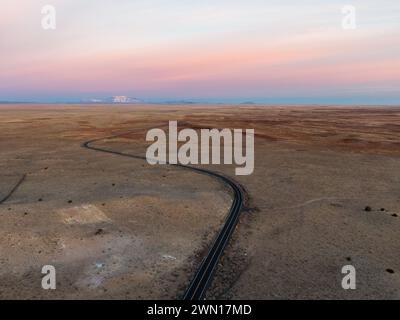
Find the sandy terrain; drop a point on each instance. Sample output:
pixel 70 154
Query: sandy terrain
pixel 113 227
pixel 116 227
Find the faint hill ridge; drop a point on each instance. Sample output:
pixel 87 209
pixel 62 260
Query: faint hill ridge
pixel 114 100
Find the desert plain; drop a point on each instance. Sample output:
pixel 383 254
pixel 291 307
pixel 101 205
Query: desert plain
pixel 325 193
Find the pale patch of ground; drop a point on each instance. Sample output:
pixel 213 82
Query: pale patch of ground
pixel 83 214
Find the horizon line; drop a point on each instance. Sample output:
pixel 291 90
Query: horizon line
pixel 320 104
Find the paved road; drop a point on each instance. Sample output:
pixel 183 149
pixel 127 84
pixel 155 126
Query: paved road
pixel 204 274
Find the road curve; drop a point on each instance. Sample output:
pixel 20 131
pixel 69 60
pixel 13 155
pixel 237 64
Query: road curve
pixel 202 279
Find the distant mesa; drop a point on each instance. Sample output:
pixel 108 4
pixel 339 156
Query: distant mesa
pixel 123 99
pixel 14 102
pixel 93 101
pixel 248 102
pixel 179 102
pixel 114 100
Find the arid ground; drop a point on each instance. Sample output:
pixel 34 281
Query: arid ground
pixel 325 193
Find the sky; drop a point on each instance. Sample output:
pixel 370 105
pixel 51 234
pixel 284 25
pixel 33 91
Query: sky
pixel 286 51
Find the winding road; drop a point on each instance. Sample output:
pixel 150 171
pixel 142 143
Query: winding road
pixel 204 274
